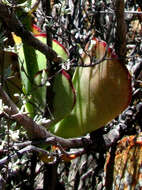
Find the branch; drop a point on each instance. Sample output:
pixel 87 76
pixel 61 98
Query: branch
pixel 36 131
pixel 54 155
pixel 13 23
pixel 120 42
pixel 42 136
pixel 112 12
pixel 29 148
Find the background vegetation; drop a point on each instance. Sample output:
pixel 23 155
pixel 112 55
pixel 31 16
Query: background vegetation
pixel 73 24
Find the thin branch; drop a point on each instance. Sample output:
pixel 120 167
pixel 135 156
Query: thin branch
pixel 43 137
pixel 13 23
pixel 37 131
pixel 61 154
pixel 92 62
pixel 40 135
pixel 6 99
pixel 120 39
pixel 112 12
pixel 25 150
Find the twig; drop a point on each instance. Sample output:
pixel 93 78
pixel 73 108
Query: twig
pixel 65 154
pixel 49 109
pixel 54 155
pixel 92 62
pixel 42 136
pixel 13 23
pixel 120 39
pixel 8 102
pixel 112 12
pixel 25 150
pixel 37 131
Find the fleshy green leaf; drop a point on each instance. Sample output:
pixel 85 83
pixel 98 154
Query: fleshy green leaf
pixel 103 92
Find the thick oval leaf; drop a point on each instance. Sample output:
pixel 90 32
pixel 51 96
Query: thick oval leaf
pixel 64 94
pixel 62 84
pixel 103 92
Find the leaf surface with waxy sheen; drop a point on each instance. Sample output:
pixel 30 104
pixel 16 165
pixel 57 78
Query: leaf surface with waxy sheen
pixel 103 92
